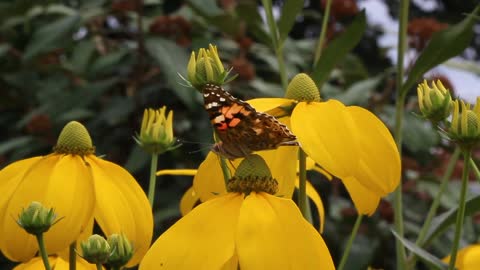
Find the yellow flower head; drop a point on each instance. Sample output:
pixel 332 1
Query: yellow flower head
pixel 435 102
pixel 205 68
pixel 156 133
pixel 81 188
pixel 247 228
pixel 465 124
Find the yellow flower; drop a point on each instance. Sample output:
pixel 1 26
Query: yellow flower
pixel 435 102
pixel 80 187
pixel 247 228
pixel 468 258
pixel 465 125
pixel 56 262
pixel 349 142
pixel 156 133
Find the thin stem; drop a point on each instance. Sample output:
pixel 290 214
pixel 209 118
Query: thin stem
pixel 281 67
pixel 461 210
pixel 153 179
pixel 302 186
pixel 43 251
pixel 399 111
pixel 475 169
pixel 323 32
pixel 99 266
pixel 72 256
pixel 226 172
pixel 353 234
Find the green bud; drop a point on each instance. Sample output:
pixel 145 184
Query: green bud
pixel 36 219
pixel 435 102
pixel 122 250
pixel 206 68
pixel 302 88
pixel 95 249
pixel 465 125
pixel 75 140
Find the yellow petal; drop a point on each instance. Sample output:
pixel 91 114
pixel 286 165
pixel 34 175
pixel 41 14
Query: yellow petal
pixel 380 161
pixel 272 234
pixel 187 172
pixel 209 181
pixel 203 239
pixel 189 199
pixel 468 258
pixel 55 262
pixel 122 206
pixel 324 132
pixel 55 181
pixel 365 200
pixel 265 104
pixel 313 194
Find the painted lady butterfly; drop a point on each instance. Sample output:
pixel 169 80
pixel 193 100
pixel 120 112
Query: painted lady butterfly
pixel 240 128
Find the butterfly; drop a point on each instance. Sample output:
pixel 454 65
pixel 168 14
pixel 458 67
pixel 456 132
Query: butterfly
pixel 240 128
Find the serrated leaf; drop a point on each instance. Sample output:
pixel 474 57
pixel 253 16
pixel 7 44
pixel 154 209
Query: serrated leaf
pixel 290 10
pixel 173 60
pixel 426 257
pixel 51 36
pixel 338 49
pixel 443 46
pixel 442 222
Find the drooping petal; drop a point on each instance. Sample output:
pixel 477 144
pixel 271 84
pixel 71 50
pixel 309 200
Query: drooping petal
pixel 379 158
pixel 189 199
pixel 365 200
pixel 324 132
pixel 313 194
pixel 57 262
pixel 186 172
pixel 272 234
pixel 209 181
pixel 63 182
pixel 203 239
pixel 266 104
pixel 283 166
pixel 468 258
pixel 122 206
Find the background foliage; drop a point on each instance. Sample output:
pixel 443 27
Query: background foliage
pixel 103 62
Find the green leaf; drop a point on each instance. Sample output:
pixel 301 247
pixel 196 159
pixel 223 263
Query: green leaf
pixel 14 143
pixel 359 92
pixel 51 36
pixel 173 60
pixel 289 13
pixel 442 222
pixel 443 46
pixel 338 49
pixel 426 257
pixel 418 135
pixel 248 12
pixel 82 55
pixel 106 62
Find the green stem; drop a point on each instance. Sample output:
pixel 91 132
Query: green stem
pixel 302 186
pixel 398 204
pixel 475 169
pixel 353 234
pixel 461 210
pixel 72 256
pixel 43 251
pixel 153 179
pixel 99 266
pixel 267 5
pixel 226 172
pixel 323 32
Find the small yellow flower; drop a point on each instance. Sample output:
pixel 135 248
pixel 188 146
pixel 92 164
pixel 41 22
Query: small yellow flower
pixel 206 68
pixel 435 102
pixel 56 262
pixel 156 132
pixel 465 124
pixel 468 258
pixel 81 188
pixel 247 228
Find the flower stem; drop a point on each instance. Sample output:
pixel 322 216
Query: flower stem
pixel 99 266
pixel 461 210
pixel 302 186
pixel 72 256
pixel 43 251
pixel 153 179
pixel 353 234
pixel 475 169
pixel 323 31
pixel 399 111
pixel 226 172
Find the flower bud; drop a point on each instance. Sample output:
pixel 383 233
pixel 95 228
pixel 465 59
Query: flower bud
pixel 206 68
pixel 36 219
pixel 435 102
pixel 122 250
pixel 302 88
pixel 156 133
pixel 465 125
pixel 95 249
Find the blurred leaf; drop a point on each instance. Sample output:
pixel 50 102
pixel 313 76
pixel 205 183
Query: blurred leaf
pixel 205 7
pixel 360 92
pixel 248 12
pixel 117 110
pixel 418 134
pixel 51 36
pixel 426 257
pixel 81 55
pixel 442 222
pixel 4 49
pixel 14 143
pixel 289 13
pixel 338 49
pixel 106 62
pixel 443 46
pixel 137 159
pixel 173 60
